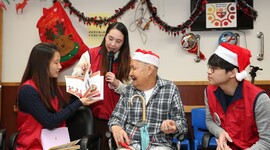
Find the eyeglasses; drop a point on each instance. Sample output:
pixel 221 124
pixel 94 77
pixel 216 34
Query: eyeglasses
pixel 212 68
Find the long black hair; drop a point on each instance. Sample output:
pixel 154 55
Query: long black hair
pixel 124 53
pixel 37 69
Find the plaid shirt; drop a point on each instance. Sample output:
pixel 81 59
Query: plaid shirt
pixel 164 103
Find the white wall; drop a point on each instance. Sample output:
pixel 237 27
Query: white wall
pixel 20 35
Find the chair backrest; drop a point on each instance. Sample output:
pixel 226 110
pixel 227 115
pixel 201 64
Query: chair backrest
pixel 81 123
pixel 2 139
pixel 12 141
pixel 198 119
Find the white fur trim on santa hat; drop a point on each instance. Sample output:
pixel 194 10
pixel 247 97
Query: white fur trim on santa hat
pixel 147 58
pixel 227 55
pixel 241 75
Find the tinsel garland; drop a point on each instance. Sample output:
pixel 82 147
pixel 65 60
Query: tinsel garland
pixel 174 30
pixel 242 5
pixel 171 30
pixel 98 21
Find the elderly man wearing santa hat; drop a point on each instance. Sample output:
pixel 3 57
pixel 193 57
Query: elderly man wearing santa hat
pixel 150 105
pixel 237 112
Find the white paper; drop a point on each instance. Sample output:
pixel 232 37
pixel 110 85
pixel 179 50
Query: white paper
pixel 54 137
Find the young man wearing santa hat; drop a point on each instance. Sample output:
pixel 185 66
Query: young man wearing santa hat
pixel 150 112
pixel 237 112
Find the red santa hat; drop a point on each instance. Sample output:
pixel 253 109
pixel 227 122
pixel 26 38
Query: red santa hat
pixel 146 56
pixel 235 55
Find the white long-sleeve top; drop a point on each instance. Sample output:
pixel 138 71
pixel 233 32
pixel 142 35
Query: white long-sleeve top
pixel 85 58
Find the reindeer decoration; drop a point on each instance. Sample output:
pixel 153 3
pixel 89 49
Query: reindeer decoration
pixel 2 5
pixel 21 6
pixel 64 42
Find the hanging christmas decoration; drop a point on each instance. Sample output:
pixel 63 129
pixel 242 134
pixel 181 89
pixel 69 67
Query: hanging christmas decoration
pixel 20 6
pixel 247 9
pixel 175 30
pixel 55 26
pixel 98 21
pixel 189 43
pixel 171 30
pixel 2 5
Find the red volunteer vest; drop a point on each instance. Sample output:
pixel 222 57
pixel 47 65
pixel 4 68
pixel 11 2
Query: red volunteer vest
pixel 103 109
pixel 29 128
pixel 239 120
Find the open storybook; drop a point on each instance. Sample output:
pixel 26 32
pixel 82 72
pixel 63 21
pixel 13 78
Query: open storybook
pixel 69 146
pixel 91 86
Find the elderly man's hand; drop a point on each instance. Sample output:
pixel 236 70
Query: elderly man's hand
pixel 168 126
pixel 120 135
pixel 222 141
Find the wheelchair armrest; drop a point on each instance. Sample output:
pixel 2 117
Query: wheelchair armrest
pixel 2 139
pixel 181 137
pixel 206 140
pixel 90 142
pixel 112 143
pixel 12 141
